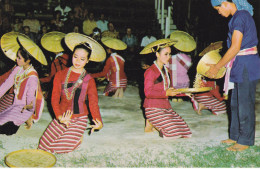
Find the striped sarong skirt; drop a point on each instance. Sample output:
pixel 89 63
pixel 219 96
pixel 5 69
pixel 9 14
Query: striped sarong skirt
pixel 6 101
pixel 168 122
pixel 217 107
pixel 111 87
pixel 59 139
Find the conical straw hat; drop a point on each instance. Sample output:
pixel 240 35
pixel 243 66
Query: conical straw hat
pixel 211 57
pixel 98 53
pixel 51 41
pixel 213 46
pixel 114 43
pixel 185 42
pixel 159 43
pixel 10 45
pixel 32 48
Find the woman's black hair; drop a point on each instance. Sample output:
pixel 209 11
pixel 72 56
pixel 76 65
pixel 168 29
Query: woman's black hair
pixel 84 46
pixel 27 56
pixel 158 48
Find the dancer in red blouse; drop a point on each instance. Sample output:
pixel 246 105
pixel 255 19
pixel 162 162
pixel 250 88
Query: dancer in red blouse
pixel 158 109
pixel 113 70
pixel 70 88
pixel 211 100
pixel 60 62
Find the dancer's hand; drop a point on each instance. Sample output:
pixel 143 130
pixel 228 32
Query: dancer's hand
pixel 213 71
pixel 189 95
pixel 98 125
pixel 171 92
pixel 66 117
pixel 28 107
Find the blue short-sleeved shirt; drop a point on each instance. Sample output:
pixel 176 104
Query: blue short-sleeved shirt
pixel 244 22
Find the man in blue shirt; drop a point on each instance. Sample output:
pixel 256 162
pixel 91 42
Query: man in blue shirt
pixel 242 62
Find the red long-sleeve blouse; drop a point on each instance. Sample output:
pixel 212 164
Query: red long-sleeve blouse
pixel 214 92
pixel 58 64
pixel 61 104
pixel 112 71
pixel 155 95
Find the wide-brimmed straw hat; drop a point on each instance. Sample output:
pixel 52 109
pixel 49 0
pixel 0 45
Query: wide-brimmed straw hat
pixel 114 43
pixel 32 49
pixel 213 46
pixel 159 43
pixel 211 57
pixel 51 41
pixel 98 53
pixel 10 45
pixel 185 42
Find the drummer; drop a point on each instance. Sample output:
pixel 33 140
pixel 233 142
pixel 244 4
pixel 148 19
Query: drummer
pixel 158 110
pixel 113 70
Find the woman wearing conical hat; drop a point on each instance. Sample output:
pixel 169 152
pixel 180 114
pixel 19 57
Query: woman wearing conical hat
pixel 72 87
pixel 180 62
pixel 242 62
pixel 114 68
pixel 51 41
pixel 158 110
pixel 27 104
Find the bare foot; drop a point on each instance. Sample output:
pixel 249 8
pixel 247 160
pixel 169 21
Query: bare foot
pixel 81 139
pixel 116 93
pixel 201 107
pixel 121 93
pixel 29 123
pixel 180 100
pixel 237 147
pixel 174 100
pixel 148 127
pixel 228 141
pixel 198 112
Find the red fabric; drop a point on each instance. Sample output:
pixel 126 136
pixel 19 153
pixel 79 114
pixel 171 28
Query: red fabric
pixel 214 92
pixel 58 64
pixel 5 76
pixel 217 107
pixel 59 102
pixel 109 70
pixel 60 139
pixel 155 95
pixel 22 88
pixel 39 104
pixel 111 89
pixel 6 101
pixel 170 124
